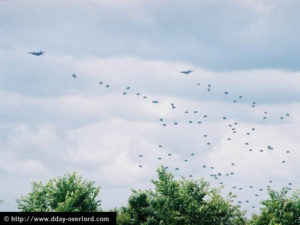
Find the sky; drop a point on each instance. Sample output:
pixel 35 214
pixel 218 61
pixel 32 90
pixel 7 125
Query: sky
pixel 52 124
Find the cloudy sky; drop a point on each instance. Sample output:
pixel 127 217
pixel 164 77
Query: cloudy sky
pixel 51 124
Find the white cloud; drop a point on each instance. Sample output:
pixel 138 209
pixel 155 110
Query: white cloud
pixel 13 166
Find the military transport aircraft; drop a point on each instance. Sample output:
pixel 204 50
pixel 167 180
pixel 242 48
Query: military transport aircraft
pixel 37 53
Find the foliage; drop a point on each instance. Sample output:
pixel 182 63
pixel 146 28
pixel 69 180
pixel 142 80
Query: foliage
pixel 66 194
pixel 172 202
pixel 279 209
pixel 179 202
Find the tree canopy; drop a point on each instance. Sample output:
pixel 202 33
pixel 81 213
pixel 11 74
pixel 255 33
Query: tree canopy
pixel 171 202
pixel 66 194
pixel 279 209
pixel 179 202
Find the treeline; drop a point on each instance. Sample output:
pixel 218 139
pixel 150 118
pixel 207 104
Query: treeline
pixel 172 202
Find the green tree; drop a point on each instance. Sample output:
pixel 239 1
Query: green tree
pixel 179 202
pixel 67 194
pixel 279 209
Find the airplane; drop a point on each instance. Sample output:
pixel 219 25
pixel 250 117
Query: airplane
pixel 37 53
pixel 187 71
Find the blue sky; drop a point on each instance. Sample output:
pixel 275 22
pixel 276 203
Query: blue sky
pixel 52 124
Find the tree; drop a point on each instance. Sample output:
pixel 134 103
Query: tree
pixel 67 194
pixel 279 209
pixel 179 202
